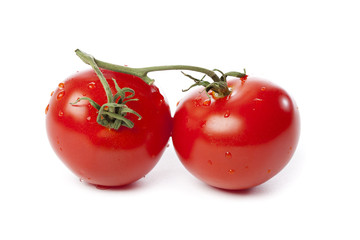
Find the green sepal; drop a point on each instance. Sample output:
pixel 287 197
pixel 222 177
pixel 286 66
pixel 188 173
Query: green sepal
pixel 198 82
pixel 236 74
pixel 129 110
pixel 220 87
pixel 121 92
pixel 92 102
pixel 122 120
pixel 130 100
pixel 114 115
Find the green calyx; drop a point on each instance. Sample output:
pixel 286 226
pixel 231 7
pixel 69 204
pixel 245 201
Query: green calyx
pixel 219 87
pixel 113 113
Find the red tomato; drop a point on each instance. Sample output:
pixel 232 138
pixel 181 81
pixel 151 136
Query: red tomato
pixel 239 141
pixel 100 155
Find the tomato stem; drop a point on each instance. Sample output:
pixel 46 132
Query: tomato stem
pixel 219 85
pixel 90 60
pixel 142 72
pixel 111 114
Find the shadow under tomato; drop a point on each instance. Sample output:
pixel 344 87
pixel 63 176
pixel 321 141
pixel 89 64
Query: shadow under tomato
pixel 129 187
pixel 254 191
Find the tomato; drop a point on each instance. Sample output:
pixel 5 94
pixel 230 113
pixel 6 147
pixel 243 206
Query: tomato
pixel 101 155
pixel 239 141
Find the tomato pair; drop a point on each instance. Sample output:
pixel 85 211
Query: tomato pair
pixel 236 141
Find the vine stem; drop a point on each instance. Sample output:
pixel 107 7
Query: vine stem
pixel 90 60
pixel 111 114
pixel 142 72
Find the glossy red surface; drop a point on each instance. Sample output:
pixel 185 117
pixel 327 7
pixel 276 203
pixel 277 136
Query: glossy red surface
pixel 239 141
pixel 100 155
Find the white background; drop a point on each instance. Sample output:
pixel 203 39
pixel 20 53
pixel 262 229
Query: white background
pixel 310 48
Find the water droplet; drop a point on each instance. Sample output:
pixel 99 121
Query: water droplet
pixel 263 88
pixel 88 118
pixel 61 85
pixel 290 150
pixel 61 113
pixel 231 171
pixel 81 180
pixel 91 85
pixel 52 93
pixel 227 114
pixel 207 102
pixel 228 155
pixel 60 95
pixel 47 109
pixel 210 162
pixel 258 100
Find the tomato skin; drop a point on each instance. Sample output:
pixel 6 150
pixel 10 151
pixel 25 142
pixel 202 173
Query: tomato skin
pixel 239 141
pixel 99 155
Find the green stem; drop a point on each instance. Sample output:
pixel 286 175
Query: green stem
pixel 110 114
pixel 209 73
pixel 88 59
pixel 142 72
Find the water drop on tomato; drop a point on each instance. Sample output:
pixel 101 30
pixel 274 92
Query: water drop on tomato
pixel 60 95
